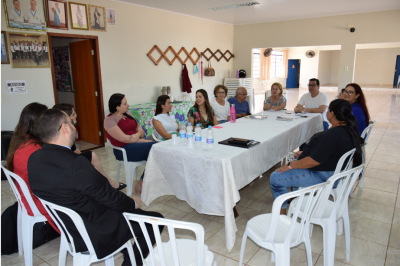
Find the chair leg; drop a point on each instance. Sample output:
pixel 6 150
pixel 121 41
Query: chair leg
pixel 308 250
pixel 118 170
pixel 242 249
pixel 131 253
pixel 19 231
pixel 129 178
pixel 110 261
pixel 339 227
pixel 27 234
pixel 346 222
pixel 62 257
pixel 329 240
pixel 361 182
pixel 282 255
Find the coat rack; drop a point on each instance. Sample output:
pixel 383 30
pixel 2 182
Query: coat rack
pixel 164 55
pixel 215 55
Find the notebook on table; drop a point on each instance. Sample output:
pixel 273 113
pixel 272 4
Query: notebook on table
pixel 241 143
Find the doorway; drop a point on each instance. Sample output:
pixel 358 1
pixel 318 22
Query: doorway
pixel 396 80
pixel 77 80
pixel 293 76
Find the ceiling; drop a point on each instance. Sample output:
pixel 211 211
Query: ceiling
pixel 267 10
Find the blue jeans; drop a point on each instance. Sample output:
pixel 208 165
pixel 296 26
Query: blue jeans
pixel 222 121
pixel 296 178
pixel 135 152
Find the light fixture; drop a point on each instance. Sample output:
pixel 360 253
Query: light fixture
pixel 234 6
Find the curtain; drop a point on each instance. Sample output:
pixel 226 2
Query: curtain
pixel 285 64
pixel 265 65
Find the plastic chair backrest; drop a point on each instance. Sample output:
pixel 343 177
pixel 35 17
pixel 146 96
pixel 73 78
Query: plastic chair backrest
pixel 348 155
pixel 52 209
pixel 172 225
pixel 366 133
pixel 348 178
pixel 309 203
pixel 154 137
pixel 24 188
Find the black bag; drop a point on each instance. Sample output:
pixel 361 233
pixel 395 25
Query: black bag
pixel 242 73
pixel 43 232
pixel 5 143
pixel 9 239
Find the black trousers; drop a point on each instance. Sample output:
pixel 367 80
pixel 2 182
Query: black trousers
pixel 140 239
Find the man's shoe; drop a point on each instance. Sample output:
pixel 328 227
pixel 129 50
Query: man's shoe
pixel 121 186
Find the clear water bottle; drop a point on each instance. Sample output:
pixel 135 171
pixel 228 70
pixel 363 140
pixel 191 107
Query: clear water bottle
pixel 210 138
pixel 189 135
pixel 197 131
pixel 182 133
pixel 233 114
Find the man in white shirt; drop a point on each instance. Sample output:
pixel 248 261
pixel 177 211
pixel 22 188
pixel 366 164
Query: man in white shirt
pixel 39 53
pixel 33 15
pixel 17 51
pixel 13 51
pixel 314 102
pixel 26 50
pixel 16 14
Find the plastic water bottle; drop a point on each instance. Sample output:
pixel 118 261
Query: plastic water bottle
pixel 210 138
pixel 233 114
pixel 189 135
pixel 182 133
pixel 197 131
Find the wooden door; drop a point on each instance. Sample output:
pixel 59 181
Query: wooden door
pixel 85 91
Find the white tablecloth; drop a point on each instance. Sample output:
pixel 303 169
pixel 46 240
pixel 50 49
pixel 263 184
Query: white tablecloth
pixel 209 180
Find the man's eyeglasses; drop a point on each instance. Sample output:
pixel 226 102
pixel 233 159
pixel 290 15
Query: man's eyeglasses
pixel 348 92
pixel 312 85
pixel 243 94
pixel 65 123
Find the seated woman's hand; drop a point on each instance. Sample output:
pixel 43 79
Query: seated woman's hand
pixel 274 108
pixel 267 106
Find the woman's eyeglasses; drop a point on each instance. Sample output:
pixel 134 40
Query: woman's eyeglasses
pixel 348 92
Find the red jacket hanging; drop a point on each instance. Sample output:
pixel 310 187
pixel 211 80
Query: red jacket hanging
pixel 186 84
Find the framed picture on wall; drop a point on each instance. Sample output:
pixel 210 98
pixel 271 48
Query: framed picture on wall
pixel 25 14
pixel 28 50
pixel 97 18
pixel 57 14
pixel 110 17
pixel 5 58
pixel 77 13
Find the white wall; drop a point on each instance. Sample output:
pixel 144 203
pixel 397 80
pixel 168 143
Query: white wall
pixel 375 66
pixel 335 64
pixel 374 27
pixel 125 66
pixel 324 67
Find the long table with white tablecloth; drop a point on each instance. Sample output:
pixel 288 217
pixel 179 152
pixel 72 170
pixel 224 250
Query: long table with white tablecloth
pixel 210 180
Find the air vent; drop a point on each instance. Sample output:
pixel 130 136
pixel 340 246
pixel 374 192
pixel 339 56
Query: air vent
pixel 234 6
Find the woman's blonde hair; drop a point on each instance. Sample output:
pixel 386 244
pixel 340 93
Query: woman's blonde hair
pixel 279 86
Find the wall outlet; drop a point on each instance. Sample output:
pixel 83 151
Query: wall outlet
pixel 346 68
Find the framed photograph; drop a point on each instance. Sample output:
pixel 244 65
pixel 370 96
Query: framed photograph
pixel 57 14
pixel 28 50
pixel 5 58
pixel 77 13
pixel 97 18
pixel 25 14
pixel 110 17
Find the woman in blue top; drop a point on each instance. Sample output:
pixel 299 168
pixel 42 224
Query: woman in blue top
pixel 355 96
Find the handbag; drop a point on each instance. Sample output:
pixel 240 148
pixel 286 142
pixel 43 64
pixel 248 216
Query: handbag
pixel 209 71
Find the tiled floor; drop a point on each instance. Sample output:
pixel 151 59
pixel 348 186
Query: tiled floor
pixel 374 210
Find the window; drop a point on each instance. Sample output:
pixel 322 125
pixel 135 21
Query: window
pixel 256 63
pixel 276 64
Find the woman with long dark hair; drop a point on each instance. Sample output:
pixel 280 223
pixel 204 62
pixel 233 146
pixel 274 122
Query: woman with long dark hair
pixel 123 130
pixel 317 162
pixel 355 96
pixel 164 123
pixel 92 157
pixel 23 143
pixel 202 113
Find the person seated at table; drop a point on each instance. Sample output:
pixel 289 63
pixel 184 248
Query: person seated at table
pixel 241 105
pixel 317 162
pixel 276 101
pixel 355 96
pixel 202 113
pixel 315 101
pixel 89 155
pixel 220 105
pixel 164 123
pixel 23 143
pixel 340 95
pixel 123 130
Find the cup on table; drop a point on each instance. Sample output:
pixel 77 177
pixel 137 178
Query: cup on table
pixel 174 139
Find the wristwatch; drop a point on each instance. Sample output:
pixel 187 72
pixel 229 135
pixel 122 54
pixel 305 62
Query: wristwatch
pixel 289 166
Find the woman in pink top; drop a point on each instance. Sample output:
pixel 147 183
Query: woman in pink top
pixel 123 130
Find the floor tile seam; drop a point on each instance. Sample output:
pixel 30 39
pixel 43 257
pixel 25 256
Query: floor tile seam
pixel 379 189
pixel 365 218
pixel 390 232
pixel 384 162
pixel 8 193
pixel 384 179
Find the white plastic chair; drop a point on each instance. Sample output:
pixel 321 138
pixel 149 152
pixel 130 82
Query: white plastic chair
pixel 84 258
pixel 130 169
pixel 175 251
pixel 154 137
pixel 25 222
pixel 365 135
pixel 279 233
pixel 327 212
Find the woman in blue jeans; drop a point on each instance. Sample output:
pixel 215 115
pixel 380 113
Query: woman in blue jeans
pixel 123 130
pixel 317 162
